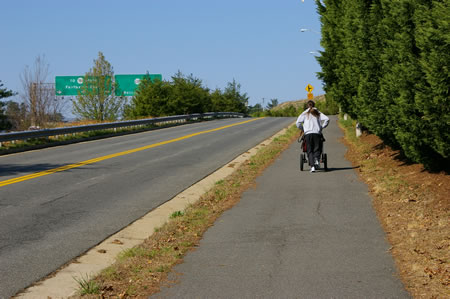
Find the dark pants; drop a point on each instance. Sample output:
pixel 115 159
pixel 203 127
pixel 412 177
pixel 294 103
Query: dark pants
pixel 313 147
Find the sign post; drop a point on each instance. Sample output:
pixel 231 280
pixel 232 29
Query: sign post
pixel 309 88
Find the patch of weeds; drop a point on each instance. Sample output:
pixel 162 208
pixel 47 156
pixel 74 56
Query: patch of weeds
pixel 131 291
pixel 349 126
pixel 176 214
pixel 200 213
pixel 137 269
pixel 186 244
pixel 133 252
pixel 220 182
pixel 166 250
pixel 87 286
pixel 220 194
pixel 162 268
pixel 110 273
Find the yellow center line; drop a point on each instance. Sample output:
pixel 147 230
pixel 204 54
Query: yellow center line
pixel 95 160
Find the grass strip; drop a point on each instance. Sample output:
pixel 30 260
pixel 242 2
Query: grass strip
pixel 142 270
pixel 413 205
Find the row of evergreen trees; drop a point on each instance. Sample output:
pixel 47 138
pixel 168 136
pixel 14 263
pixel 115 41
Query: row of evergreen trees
pixel 183 95
pixel 5 124
pixel 387 64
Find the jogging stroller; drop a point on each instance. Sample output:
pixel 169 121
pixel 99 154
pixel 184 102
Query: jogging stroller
pixel 304 154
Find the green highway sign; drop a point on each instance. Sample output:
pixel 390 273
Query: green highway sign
pixel 71 85
pixel 127 84
pixel 68 85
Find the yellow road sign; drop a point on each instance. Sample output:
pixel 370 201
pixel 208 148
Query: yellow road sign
pixel 309 88
pixel 310 96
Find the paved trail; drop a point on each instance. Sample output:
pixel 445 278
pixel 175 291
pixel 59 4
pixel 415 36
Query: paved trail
pixel 296 235
pixel 47 220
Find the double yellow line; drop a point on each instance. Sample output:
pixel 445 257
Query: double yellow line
pixel 95 160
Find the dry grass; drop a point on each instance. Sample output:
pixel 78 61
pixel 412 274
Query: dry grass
pixel 413 206
pixel 299 103
pixel 141 271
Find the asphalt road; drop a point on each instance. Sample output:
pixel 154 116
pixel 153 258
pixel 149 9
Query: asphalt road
pixel 48 220
pixel 295 235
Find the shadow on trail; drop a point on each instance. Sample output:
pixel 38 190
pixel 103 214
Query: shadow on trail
pixel 341 168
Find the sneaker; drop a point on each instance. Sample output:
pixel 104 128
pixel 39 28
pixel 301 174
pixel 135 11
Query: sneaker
pixel 312 169
pixel 316 164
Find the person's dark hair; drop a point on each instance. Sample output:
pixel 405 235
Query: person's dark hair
pixel 312 109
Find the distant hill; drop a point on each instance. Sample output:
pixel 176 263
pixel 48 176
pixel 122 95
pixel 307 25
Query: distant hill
pixel 298 103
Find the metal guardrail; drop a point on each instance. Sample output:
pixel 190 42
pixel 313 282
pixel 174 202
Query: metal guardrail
pixel 23 135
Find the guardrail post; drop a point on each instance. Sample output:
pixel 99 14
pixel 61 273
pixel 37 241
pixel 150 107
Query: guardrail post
pixel 358 130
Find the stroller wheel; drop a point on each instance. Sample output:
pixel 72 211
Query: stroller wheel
pixel 302 161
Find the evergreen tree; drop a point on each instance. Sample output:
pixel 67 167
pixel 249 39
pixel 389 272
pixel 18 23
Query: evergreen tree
pixel 272 104
pixel 4 92
pixel 230 100
pixel 5 124
pixel 368 99
pixel 332 43
pixel 188 95
pixel 256 110
pixel 386 64
pixel 184 95
pixel 432 36
pixel 151 99
pixel 235 100
pixel 218 101
pixel 17 115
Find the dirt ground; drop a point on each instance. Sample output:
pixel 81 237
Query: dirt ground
pixel 413 206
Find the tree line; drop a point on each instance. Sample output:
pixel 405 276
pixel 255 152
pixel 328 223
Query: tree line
pixel 97 101
pixel 181 95
pixel 387 65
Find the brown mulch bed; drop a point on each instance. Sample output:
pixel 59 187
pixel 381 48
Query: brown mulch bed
pixel 413 206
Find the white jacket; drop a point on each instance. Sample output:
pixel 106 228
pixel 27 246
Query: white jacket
pixel 310 124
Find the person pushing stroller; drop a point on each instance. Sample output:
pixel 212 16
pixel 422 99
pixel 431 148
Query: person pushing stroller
pixel 312 122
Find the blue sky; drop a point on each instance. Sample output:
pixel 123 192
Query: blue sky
pixel 256 42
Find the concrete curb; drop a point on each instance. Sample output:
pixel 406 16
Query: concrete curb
pixel 62 284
